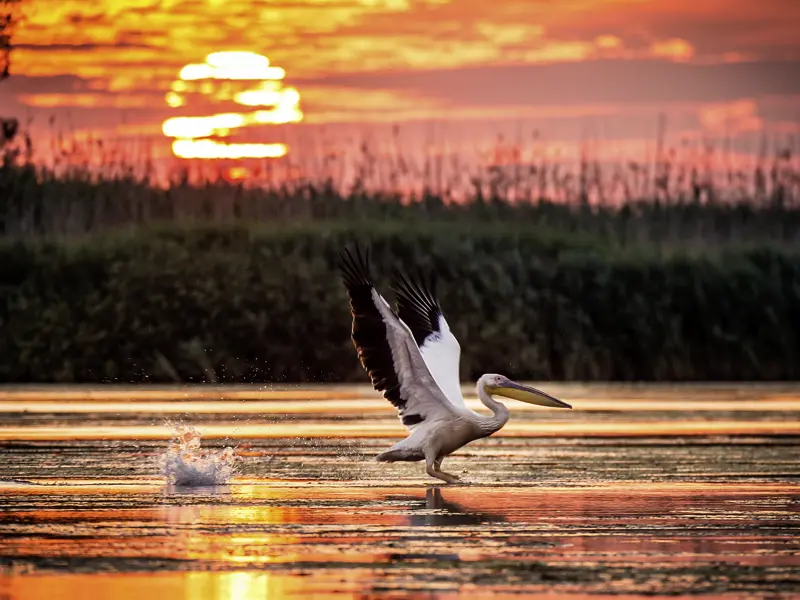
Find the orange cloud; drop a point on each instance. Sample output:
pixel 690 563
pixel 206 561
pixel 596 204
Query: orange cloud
pixel 607 41
pixel 731 117
pixel 88 100
pixel 125 54
pixel 146 41
pixel 339 103
pixel 675 49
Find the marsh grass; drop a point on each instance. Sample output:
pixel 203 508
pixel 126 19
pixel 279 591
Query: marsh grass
pixel 696 195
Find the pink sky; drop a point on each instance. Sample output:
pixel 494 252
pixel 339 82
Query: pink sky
pixel 476 68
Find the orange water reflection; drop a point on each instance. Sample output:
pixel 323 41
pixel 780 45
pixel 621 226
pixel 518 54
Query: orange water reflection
pixel 535 514
pixel 326 540
pixel 622 411
pixel 239 585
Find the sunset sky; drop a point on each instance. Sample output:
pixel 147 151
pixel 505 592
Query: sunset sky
pixel 711 65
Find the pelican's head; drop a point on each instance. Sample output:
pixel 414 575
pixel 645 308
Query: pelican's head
pixel 503 386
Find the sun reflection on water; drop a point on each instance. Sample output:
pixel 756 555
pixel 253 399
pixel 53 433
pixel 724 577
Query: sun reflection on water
pixel 230 78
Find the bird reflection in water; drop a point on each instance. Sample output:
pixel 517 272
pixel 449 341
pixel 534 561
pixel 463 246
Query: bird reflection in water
pixel 436 511
pixel 447 513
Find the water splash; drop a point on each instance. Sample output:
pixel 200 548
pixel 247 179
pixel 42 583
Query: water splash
pixel 185 463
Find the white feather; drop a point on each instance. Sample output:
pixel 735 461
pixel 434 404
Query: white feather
pixel 442 354
pixel 420 389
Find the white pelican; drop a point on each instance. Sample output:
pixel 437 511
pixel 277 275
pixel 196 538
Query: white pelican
pixel 412 357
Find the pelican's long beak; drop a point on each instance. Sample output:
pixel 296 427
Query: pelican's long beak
pixel 523 393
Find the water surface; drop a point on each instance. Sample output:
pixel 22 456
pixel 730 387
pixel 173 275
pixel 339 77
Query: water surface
pixel 653 490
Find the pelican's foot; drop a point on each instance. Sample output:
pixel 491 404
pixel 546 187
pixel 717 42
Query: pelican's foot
pixel 448 477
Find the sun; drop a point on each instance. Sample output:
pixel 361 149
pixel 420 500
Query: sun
pixel 233 80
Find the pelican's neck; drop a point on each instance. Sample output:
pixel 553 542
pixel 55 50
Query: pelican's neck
pixel 499 411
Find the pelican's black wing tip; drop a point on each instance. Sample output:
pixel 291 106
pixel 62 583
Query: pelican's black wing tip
pixel 355 265
pixel 417 303
pixel 417 286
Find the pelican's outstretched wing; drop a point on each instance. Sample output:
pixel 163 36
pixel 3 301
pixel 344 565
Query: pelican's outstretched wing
pixel 418 307
pixel 387 349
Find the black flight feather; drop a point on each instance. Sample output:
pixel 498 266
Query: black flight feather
pixel 369 330
pixel 417 305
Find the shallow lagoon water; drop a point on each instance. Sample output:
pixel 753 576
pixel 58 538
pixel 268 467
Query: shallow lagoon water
pixel 640 490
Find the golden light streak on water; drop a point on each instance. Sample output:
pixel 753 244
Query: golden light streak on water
pixel 255 487
pixel 250 404
pixel 240 585
pixel 334 399
pixel 193 134
pixel 365 429
pixel 178 393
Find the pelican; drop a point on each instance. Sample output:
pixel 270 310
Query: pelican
pixel 412 357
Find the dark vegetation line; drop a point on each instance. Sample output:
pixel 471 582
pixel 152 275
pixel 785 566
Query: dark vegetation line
pixel 245 304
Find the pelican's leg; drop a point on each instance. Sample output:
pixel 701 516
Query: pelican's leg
pixel 432 468
pixel 438 464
